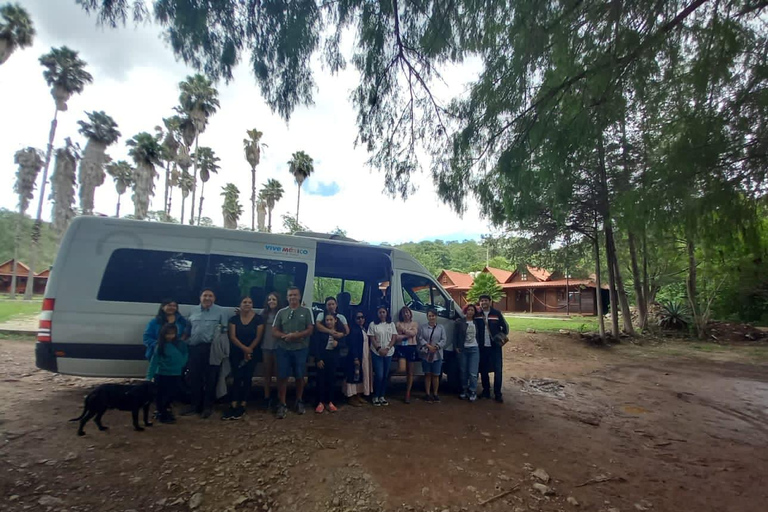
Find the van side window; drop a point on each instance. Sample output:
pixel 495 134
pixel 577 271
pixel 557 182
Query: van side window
pixel 419 293
pixel 138 275
pixel 233 277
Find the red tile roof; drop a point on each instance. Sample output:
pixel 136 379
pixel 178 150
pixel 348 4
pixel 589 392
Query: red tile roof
pixel 502 276
pixel 550 284
pixel 539 273
pixel 459 280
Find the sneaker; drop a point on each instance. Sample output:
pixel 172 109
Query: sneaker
pixel 428 399
pixel 472 397
pixel 435 398
pixel 229 414
pixel 300 408
pixel 383 401
pixel 206 413
pixel 320 408
pixel 463 396
pixel 239 413
pixel 376 401
pixel 499 399
pixel 189 411
pixel 282 411
pixel 332 407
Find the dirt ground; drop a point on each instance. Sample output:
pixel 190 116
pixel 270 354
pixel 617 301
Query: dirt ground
pixel 662 428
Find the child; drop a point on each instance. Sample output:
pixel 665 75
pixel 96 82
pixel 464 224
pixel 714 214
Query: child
pixel 166 368
pixel 327 351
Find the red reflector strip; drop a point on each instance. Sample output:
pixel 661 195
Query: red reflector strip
pixel 44 338
pixel 48 304
pixel 45 324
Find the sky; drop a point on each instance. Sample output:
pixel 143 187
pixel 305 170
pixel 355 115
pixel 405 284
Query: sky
pixel 136 80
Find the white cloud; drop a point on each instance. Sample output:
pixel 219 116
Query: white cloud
pixel 135 81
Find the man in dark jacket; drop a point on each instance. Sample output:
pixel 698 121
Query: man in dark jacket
pixel 491 329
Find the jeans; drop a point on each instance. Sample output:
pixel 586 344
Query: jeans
pixel 202 376
pixel 242 379
pixel 469 362
pixel 491 360
pixel 167 389
pixel 381 374
pixel 326 377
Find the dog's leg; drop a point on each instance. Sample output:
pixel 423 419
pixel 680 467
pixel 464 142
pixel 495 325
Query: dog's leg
pixel 146 415
pixel 85 419
pixel 135 414
pixel 97 420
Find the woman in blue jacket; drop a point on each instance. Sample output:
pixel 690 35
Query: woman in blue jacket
pixel 168 313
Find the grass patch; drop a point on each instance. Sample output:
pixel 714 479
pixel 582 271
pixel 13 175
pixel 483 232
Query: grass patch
pixel 13 308
pixel 518 324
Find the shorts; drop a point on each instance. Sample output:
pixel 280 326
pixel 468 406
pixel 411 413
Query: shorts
pixel 407 352
pixel 435 367
pixel 291 363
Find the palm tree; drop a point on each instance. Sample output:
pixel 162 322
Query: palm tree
pixel 271 193
pixel 199 101
pixel 301 167
pixel 66 75
pixel 30 161
pixel 101 132
pixel 208 163
pixel 16 30
pixel 252 146
pixel 146 153
pixel 122 173
pixel 186 184
pixel 171 146
pixel 63 184
pixel 231 208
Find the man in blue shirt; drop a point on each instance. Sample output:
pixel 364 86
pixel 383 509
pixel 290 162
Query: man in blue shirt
pixel 205 322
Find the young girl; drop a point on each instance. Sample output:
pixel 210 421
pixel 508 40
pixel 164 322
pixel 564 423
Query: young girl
pixel 383 336
pixel 166 368
pixel 245 332
pixel 358 371
pixel 407 330
pixel 269 345
pixel 327 348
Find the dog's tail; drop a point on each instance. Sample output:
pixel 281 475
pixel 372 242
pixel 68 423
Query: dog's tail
pixel 82 414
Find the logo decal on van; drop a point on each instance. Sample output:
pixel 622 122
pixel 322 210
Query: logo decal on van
pixel 286 250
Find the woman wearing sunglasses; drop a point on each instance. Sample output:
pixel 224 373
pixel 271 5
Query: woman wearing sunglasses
pixel 358 372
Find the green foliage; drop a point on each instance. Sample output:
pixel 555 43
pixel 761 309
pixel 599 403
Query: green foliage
pixel 674 315
pixel 46 249
pixel 145 149
pixel 100 127
pixel 65 70
pixel 291 225
pixel 16 26
pixel 485 284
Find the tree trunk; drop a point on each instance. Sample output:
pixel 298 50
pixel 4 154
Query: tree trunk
pixel 297 205
pixel 690 286
pixel 170 201
pixel 253 198
pixel 606 217
pixel 183 207
pixel 16 243
pixel 167 187
pixel 117 213
pixel 194 186
pixel 200 204
pixel 626 314
pixel 649 298
pixel 269 225
pixel 642 298
pixel 598 289
pixel 39 218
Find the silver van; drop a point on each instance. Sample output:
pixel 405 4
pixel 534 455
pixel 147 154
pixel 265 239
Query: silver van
pixel 110 276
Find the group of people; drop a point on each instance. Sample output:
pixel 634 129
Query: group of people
pixel 209 346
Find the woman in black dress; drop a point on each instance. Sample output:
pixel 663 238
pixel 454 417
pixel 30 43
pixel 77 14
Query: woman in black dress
pixel 246 330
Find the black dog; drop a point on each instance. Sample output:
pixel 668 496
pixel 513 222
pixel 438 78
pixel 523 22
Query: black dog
pixel 121 397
